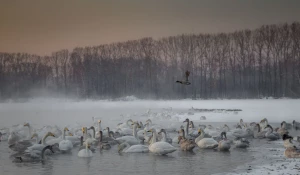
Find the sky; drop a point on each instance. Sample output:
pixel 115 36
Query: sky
pixel 43 26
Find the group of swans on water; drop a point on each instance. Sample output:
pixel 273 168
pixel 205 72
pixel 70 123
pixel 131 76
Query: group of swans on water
pixel 134 137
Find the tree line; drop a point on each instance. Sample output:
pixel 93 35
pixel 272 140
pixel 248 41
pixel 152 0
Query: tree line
pixel 243 64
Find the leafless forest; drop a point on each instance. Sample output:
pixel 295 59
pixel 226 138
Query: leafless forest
pixel 245 64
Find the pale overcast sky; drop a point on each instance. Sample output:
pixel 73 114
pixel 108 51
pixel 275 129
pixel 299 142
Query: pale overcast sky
pixel 43 26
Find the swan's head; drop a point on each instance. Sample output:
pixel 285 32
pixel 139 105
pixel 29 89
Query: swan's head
pixel 66 129
pixel 186 120
pixel 99 121
pixel 84 130
pixel 241 121
pixel 34 135
pixel 50 134
pixel 26 124
pixel 286 136
pixel 199 131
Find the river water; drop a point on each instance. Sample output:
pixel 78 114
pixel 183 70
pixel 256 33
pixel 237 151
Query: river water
pixel 168 113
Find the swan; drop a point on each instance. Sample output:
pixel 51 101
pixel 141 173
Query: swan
pixel 187 134
pixel 85 152
pixel 27 124
pixel 296 125
pixel 18 146
pixel 243 133
pixel 92 140
pixel 224 145
pixel 185 144
pixel 160 148
pixel 99 129
pixel 241 143
pixel 65 145
pixel 292 152
pixel 154 126
pixel 270 135
pixel 288 141
pixel 26 158
pixel 164 136
pixel 282 130
pixel 194 131
pixel 131 140
pixel 126 124
pixel 126 148
pixel 206 143
pixel 39 147
pixel 202 135
pixel 103 145
pixel 110 137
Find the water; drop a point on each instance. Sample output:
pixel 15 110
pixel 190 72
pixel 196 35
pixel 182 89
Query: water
pixel 108 162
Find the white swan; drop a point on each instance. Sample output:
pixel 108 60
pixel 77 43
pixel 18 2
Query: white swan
pixel 98 129
pixel 65 145
pixel 85 152
pixel 131 140
pixel 127 124
pixel 270 134
pixel 126 148
pixel 39 147
pixel 206 143
pixel 241 143
pixel 35 150
pixel 160 148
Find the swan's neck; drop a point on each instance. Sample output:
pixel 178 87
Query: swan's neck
pixel 164 136
pixel 187 128
pixel 134 131
pixel 99 127
pixel 183 134
pixel 37 140
pixel 101 134
pixel 29 131
pixel 108 130
pixel 85 134
pixel 283 125
pixel 64 135
pixel 153 137
pixel 43 153
pixel 86 147
pixel 93 135
pixel 127 146
pixel 192 124
pixel 44 139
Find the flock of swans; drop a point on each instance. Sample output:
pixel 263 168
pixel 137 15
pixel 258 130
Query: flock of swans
pixel 136 137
